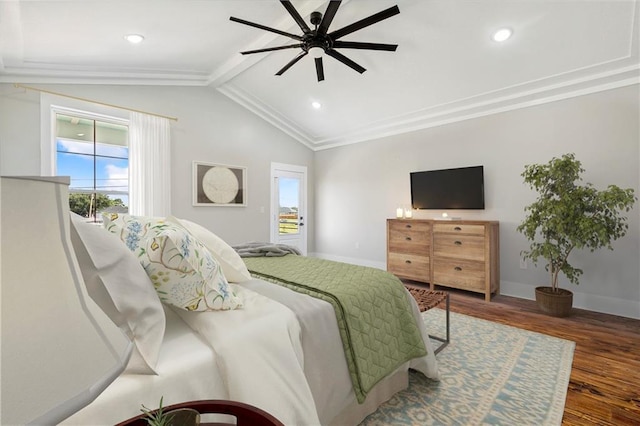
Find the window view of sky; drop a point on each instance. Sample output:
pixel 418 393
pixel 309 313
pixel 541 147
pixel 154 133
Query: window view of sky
pixel 289 189
pixel 76 159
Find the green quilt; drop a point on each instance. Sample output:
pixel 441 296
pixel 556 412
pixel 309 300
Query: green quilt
pixel 378 329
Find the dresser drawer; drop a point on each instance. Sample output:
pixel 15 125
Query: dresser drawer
pixel 469 247
pixel 458 228
pixel 409 266
pixel 402 227
pixel 462 274
pixel 409 237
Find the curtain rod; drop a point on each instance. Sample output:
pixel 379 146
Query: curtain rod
pixel 21 86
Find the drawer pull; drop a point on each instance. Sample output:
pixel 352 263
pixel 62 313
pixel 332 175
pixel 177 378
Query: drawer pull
pixel 457 228
pixel 407 238
pixel 457 268
pixel 407 226
pixel 458 243
pixel 407 262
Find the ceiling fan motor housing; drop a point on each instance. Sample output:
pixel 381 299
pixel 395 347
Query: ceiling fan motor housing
pixel 312 40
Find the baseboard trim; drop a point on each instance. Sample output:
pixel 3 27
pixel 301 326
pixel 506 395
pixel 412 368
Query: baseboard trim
pixel 590 302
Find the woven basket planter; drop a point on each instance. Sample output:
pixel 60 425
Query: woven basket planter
pixel 556 303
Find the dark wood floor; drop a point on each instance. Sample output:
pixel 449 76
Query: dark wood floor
pixel 605 377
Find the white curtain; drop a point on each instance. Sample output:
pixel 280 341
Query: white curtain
pixel 149 165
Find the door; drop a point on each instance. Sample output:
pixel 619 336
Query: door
pixel 288 205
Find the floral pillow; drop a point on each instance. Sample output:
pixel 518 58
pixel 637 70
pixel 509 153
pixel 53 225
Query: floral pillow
pixel 183 271
pixel 133 230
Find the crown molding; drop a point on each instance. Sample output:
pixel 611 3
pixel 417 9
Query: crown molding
pixel 511 98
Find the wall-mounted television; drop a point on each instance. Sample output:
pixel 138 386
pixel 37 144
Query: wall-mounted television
pixel 460 188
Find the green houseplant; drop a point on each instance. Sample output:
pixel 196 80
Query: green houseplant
pixel 176 417
pixel 568 215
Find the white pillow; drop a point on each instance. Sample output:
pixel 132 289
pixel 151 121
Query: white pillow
pixel 116 281
pixel 182 269
pixel 233 266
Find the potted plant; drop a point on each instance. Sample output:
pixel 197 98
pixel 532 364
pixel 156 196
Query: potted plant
pixel 176 417
pixel 568 215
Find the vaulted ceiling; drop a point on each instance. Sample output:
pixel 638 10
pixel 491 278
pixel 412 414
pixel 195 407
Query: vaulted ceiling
pixel 446 67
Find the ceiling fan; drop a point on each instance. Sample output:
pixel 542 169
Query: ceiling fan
pixel 319 40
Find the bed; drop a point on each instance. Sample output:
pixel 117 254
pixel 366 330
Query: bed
pixel 266 344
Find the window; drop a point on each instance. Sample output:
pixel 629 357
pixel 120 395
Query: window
pixel 289 193
pixel 95 153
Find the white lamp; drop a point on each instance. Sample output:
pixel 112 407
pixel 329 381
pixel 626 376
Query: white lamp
pixel 59 350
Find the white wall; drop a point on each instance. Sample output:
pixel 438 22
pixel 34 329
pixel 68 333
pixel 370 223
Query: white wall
pixel 359 186
pixel 210 128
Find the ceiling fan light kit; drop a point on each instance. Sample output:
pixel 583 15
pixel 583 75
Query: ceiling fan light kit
pixel 318 41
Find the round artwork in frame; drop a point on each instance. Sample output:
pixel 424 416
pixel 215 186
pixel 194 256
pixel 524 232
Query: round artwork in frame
pixel 218 185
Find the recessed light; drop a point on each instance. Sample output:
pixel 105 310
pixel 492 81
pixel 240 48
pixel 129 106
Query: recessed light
pixel 134 38
pixel 81 134
pixel 502 34
pixel 316 105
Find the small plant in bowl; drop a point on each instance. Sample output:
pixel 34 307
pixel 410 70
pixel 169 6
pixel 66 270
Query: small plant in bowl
pixel 176 417
pixel 157 417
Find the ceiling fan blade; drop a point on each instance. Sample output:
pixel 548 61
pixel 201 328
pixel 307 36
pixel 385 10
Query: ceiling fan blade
pixel 348 62
pixel 327 18
pixel 319 69
pixel 262 27
pixel 377 17
pixel 361 45
pixel 270 49
pixel 293 61
pixel 296 16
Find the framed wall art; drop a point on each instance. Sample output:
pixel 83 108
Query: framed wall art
pixel 219 185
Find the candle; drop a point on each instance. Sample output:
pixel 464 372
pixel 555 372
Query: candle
pixel 399 212
pixel 408 213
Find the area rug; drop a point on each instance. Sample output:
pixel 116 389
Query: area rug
pixel 491 374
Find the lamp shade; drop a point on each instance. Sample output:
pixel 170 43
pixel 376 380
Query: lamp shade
pixel 59 350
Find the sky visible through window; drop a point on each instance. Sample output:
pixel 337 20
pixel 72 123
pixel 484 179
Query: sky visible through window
pixel 76 159
pixel 289 189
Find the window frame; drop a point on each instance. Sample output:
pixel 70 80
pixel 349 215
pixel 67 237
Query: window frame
pixel 52 105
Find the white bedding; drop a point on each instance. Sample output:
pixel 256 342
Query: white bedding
pixel 326 368
pixel 282 352
pixel 186 369
pixel 259 355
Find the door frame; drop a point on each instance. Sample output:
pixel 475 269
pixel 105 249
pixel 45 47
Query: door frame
pixel 274 209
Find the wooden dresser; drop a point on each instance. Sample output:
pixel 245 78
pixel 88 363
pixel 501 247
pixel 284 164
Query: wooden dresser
pixel 460 254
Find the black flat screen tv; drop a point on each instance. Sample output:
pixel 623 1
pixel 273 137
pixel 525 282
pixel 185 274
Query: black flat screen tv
pixel 460 188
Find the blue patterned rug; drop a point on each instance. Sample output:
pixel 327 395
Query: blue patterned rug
pixel 491 374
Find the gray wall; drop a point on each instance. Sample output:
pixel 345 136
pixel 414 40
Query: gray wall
pixel 359 186
pixel 210 128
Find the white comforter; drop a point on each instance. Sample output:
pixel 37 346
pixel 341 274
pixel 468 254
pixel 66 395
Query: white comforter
pixel 259 354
